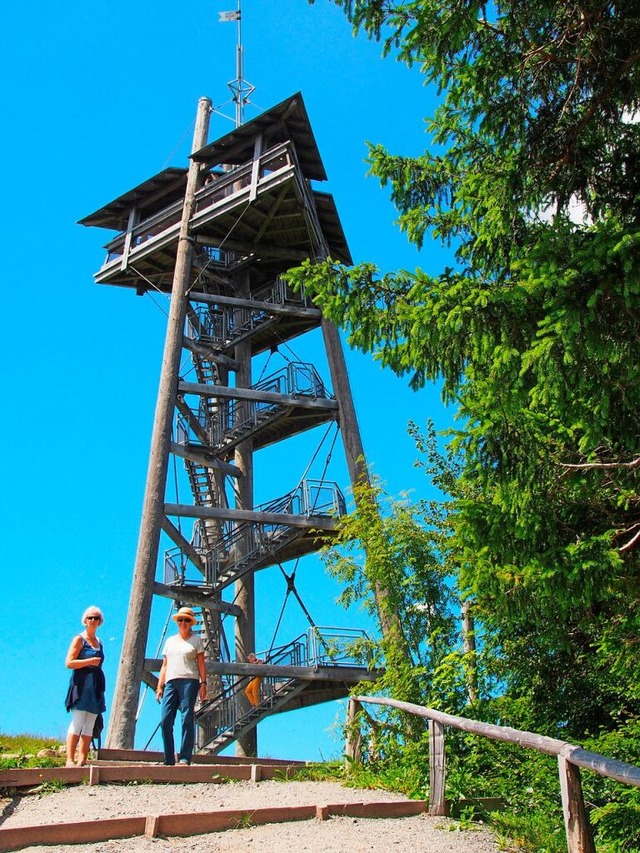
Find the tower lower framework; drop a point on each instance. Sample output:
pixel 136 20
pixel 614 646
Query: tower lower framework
pixel 218 238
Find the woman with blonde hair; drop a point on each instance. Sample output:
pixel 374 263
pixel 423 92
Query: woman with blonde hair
pixel 85 696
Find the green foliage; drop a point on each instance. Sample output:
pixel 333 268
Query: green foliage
pixel 52 786
pixel 314 772
pixel 534 832
pixel 616 807
pixel 388 545
pixel 532 178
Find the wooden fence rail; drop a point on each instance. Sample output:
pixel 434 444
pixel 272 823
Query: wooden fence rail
pixel 570 759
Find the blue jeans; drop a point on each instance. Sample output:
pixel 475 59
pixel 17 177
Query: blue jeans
pixel 178 693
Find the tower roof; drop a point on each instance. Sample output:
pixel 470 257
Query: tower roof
pixel 287 120
pixel 160 190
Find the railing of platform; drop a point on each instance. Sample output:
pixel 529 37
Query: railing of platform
pixel 338 647
pixel 296 379
pixel 251 539
pixel 224 186
pixel 222 325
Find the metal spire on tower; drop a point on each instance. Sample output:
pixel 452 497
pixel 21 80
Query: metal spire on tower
pixel 241 89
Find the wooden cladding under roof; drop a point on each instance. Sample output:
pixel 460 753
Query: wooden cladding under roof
pixel 149 197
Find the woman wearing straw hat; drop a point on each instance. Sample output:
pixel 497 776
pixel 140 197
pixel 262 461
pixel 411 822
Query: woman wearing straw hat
pixel 183 677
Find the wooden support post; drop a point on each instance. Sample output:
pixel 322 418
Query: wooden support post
pixel 255 170
pixel 125 700
pixel 356 464
pixel 245 624
pixel 576 819
pixel 151 824
pixel 437 769
pixel 353 739
pixel 354 451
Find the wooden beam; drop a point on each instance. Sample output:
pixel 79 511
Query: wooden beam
pixel 346 674
pixel 548 745
pixel 122 722
pixel 437 769
pixel 268 307
pixel 192 823
pixel 209 352
pixel 609 767
pixel 232 393
pixel 576 819
pixel 255 167
pixel 194 424
pixel 205 458
pixel 353 739
pixel 196 597
pixel 183 543
pixel 275 206
pixel 313 522
pixel 133 213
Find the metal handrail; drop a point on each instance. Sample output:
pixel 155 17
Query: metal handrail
pixel 222 326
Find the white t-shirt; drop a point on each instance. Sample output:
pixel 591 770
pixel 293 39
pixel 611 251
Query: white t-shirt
pixel 181 657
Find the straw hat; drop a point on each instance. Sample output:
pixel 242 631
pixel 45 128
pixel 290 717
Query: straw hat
pixel 185 611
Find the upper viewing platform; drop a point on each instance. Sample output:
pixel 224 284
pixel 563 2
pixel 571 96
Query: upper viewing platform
pixel 256 202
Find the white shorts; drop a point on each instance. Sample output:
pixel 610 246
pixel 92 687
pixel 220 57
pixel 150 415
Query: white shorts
pixel 82 723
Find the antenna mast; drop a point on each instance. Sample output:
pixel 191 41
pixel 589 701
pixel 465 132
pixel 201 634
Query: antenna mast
pixel 241 89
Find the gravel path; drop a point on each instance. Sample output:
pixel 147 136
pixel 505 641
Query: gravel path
pixel 420 834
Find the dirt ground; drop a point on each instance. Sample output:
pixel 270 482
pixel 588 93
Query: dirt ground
pixel 420 834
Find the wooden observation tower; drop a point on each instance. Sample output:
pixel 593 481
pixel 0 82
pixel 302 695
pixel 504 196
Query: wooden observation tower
pixel 217 236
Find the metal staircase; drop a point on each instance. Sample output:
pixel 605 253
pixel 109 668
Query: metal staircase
pixel 250 546
pixel 228 714
pixel 223 721
pixel 220 427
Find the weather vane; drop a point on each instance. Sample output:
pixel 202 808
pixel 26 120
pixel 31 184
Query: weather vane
pixel 241 89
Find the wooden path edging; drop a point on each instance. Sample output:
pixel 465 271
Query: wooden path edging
pixel 196 823
pixel 140 756
pixel 94 774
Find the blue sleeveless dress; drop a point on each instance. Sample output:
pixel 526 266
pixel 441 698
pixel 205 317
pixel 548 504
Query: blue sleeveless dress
pixel 90 684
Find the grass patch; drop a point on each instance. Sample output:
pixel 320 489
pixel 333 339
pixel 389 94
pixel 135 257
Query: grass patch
pixel 330 771
pixel 21 751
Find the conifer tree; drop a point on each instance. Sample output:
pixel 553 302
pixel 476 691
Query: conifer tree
pixel 533 177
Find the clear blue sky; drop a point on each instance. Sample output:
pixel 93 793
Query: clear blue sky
pixel 96 98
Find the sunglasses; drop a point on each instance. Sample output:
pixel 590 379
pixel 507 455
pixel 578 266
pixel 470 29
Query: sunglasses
pixel 93 618
pixel 183 620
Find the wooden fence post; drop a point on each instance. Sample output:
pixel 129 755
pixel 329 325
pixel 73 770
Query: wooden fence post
pixel 353 739
pixel 576 819
pixel 437 769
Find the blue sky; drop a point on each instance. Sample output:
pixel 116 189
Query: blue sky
pixel 96 98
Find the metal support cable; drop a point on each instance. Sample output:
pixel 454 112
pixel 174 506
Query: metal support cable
pixel 316 452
